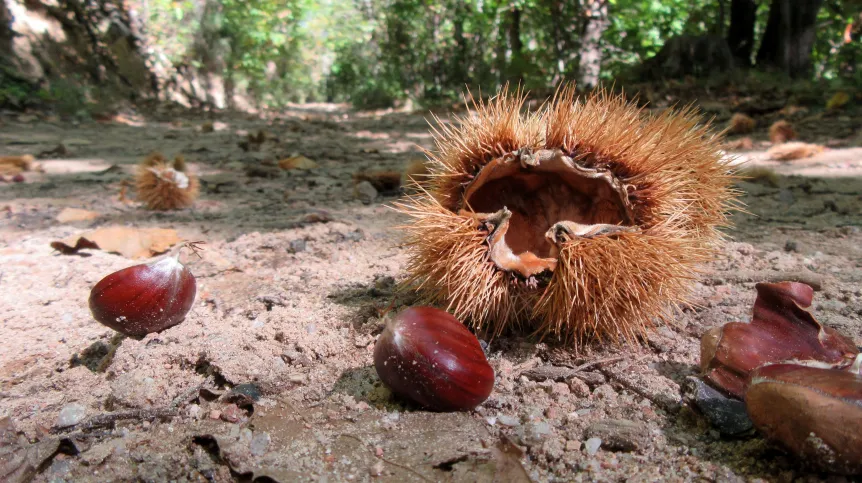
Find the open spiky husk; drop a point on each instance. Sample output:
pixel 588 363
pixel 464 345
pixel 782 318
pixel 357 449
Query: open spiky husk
pixel 609 287
pixel 160 185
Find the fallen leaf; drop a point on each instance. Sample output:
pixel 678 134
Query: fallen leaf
pixel 837 101
pixel 297 162
pixel 19 460
pixel 507 459
pixel 69 215
pixel 794 150
pixel 129 242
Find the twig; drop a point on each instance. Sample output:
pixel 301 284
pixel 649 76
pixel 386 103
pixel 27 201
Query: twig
pixel 599 362
pixel 108 419
pixel 185 396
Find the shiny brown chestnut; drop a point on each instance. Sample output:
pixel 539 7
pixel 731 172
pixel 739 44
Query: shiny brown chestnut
pixel 145 298
pixel 780 330
pixel 815 412
pixel 427 355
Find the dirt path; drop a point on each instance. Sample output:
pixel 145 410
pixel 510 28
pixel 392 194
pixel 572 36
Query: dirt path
pixel 271 375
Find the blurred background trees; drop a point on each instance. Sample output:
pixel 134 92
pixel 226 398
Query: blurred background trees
pixel 378 53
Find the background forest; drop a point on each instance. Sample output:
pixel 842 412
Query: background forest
pixel 381 53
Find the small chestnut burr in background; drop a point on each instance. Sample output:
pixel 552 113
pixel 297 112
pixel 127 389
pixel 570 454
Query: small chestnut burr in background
pixel 427 355
pixel 145 298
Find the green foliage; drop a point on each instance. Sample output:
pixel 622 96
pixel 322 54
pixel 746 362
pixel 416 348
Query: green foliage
pixel 377 53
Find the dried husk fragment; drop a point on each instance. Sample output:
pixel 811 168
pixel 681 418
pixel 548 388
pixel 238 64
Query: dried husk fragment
pixel 815 412
pixel 781 330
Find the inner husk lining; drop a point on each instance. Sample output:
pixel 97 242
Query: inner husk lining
pixel 532 201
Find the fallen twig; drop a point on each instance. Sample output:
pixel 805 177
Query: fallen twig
pixel 109 419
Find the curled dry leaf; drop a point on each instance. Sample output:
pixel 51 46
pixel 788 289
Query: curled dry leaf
pixel 780 330
pixel 297 162
pixel 793 151
pixel 69 215
pixel 129 242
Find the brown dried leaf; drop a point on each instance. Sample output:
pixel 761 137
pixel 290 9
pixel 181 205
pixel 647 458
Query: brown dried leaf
pixel 69 215
pixel 19 460
pixel 507 458
pixel 129 242
pixel 297 162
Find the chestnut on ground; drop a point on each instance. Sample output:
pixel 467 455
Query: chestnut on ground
pixel 586 220
pixel 429 357
pixel 145 298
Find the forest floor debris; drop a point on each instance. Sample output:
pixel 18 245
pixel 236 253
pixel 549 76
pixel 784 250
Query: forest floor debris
pixel 293 286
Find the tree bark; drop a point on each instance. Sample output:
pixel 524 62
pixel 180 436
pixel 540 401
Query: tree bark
pixel 789 36
pixel 515 42
pixel 6 33
pixel 740 35
pixel 591 45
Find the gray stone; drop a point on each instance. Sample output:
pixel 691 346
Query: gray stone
pixel 726 414
pixel 365 192
pixel 70 415
pixel 507 420
pixel 592 445
pixel 619 434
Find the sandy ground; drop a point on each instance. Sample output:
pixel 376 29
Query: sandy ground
pixel 270 378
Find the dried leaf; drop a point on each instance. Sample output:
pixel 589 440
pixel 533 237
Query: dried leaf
pixel 792 151
pixel 507 457
pixel 129 242
pixel 19 460
pixel 76 214
pixel 297 162
pixel 837 101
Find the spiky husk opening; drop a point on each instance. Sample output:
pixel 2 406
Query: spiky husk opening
pixel 162 185
pixel 605 284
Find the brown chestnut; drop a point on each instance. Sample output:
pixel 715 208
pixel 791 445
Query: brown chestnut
pixel 144 298
pixel 780 330
pixel 815 412
pixel 427 355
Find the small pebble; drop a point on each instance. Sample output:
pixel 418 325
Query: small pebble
pixel 248 389
pixel 592 445
pixel 507 420
pixel 70 415
pixel 365 192
pixel 296 246
pixel 619 434
pixel 260 443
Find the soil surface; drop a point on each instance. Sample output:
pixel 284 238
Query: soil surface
pixel 270 378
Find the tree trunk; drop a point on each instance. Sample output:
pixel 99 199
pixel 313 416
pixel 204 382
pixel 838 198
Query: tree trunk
pixel 591 45
pixel 459 69
pixel 789 37
pixel 740 36
pixel 6 33
pixel 515 43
